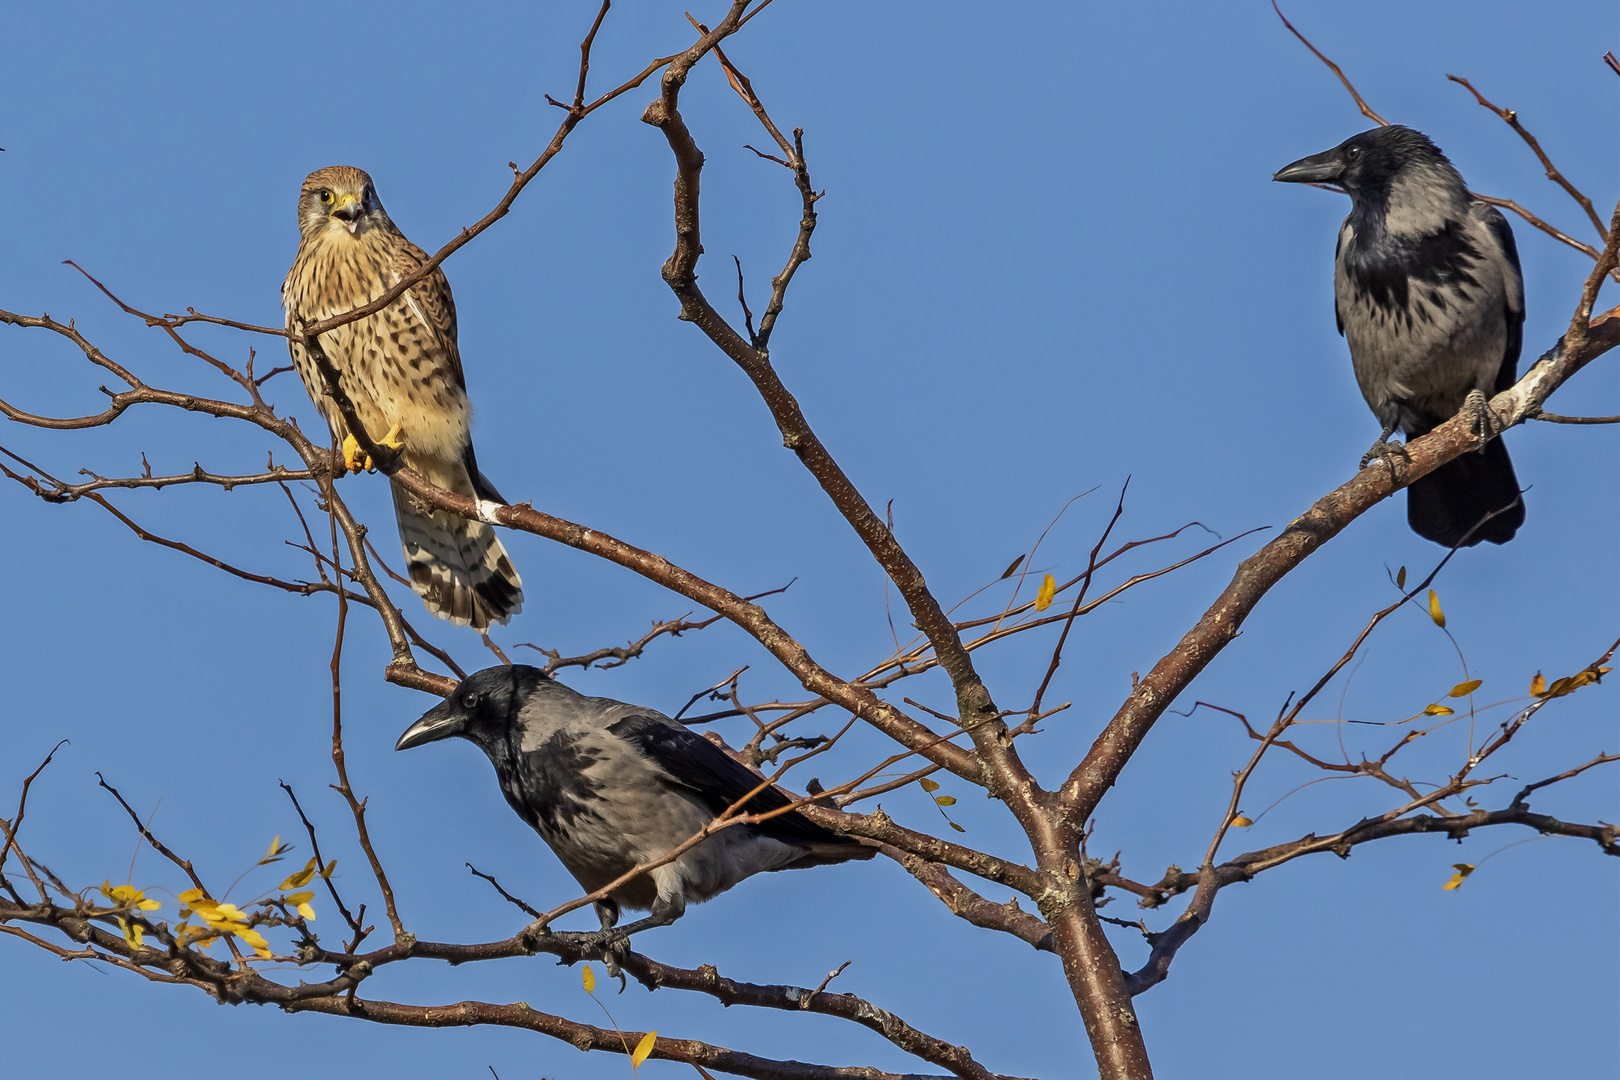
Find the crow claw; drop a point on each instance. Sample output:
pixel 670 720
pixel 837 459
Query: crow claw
pixel 1483 420
pixel 1385 451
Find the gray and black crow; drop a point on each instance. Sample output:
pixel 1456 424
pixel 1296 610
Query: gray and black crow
pixel 1429 296
pixel 609 786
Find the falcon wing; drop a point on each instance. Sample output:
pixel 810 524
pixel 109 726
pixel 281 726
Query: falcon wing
pixel 430 301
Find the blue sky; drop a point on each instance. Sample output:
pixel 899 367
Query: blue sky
pixel 1049 258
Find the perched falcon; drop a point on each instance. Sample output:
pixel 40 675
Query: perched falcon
pixel 402 370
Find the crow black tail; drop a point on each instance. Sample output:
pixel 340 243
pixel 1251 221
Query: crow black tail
pixel 1444 505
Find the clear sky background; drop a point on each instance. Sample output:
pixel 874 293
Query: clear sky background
pixel 1050 257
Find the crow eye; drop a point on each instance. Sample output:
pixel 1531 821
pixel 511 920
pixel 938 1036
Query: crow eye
pixel 327 198
pixel 1352 152
pixel 470 701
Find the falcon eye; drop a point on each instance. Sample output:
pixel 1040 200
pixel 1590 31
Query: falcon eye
pixel 327 198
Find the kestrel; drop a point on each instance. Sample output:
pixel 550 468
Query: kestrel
pixel 402 370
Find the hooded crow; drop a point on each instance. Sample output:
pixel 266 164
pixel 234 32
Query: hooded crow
pixel 1428 293
pixel 609 786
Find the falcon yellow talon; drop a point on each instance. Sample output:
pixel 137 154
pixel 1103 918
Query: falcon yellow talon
pixel 394 440
pixel 355 459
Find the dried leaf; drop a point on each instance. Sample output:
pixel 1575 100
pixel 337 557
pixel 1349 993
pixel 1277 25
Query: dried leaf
pixel 928 785
pixel 945 800
pixel 643 1048
pixel 1571 683
pixel 256 940
pixel 1435 613
pixel 957 827
pixel 589 979
pixel 1439 710
pixel 1043 599
pixel 1463 870
pixel 1400 578
pixel 1463 689
pixel 1012 568
pixel 274 852
pixel 1242 822
pixel 1538 685
pixel 301 878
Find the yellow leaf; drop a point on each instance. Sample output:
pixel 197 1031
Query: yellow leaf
pixel 928 785
pixel 1242 822
pixel 1435 613
pixel 300 900
pixel 127 896
pixel 1463 689
pixel 302 878
pixel 1043 599
pixel 589 979
pixel 1538 685
pixel 1463 870
pixel 945 800
pixel 132 933
pixel 1438 710
pixel 186 934
pixel 643 1048
pixel 256 940
pixel 272 852
pixel 331 866
pixel 191 896
pixel 1400 578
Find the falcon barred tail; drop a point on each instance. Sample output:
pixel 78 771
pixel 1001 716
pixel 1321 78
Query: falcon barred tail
pixel 458 567
pixel 401 368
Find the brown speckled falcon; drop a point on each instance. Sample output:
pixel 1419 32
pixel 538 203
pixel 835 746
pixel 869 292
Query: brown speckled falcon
pixel 402 370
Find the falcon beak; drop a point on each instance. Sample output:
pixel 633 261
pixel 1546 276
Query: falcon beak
pixel 349 211
pixel 440 722
pixel 1323 168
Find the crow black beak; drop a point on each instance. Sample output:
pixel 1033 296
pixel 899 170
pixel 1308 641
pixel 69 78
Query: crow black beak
pixel 440 722
pixel 1323 168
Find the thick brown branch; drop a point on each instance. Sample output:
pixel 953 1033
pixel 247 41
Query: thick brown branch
pixel 1003 774
pixel 1324 520
pixel 1244 867
pixel 707 980
pixel 966 904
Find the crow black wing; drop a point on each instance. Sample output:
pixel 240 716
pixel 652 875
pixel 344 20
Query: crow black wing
pixel 1507 375
pixel 704 769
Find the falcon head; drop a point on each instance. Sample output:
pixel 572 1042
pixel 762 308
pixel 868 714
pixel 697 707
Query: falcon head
pixel 338 197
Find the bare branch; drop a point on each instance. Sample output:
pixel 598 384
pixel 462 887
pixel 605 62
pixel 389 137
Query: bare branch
pixel 1361 103
pixel 1512 119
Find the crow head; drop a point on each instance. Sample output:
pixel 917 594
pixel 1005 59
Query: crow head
pixel 1368 165
pixel 482 709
